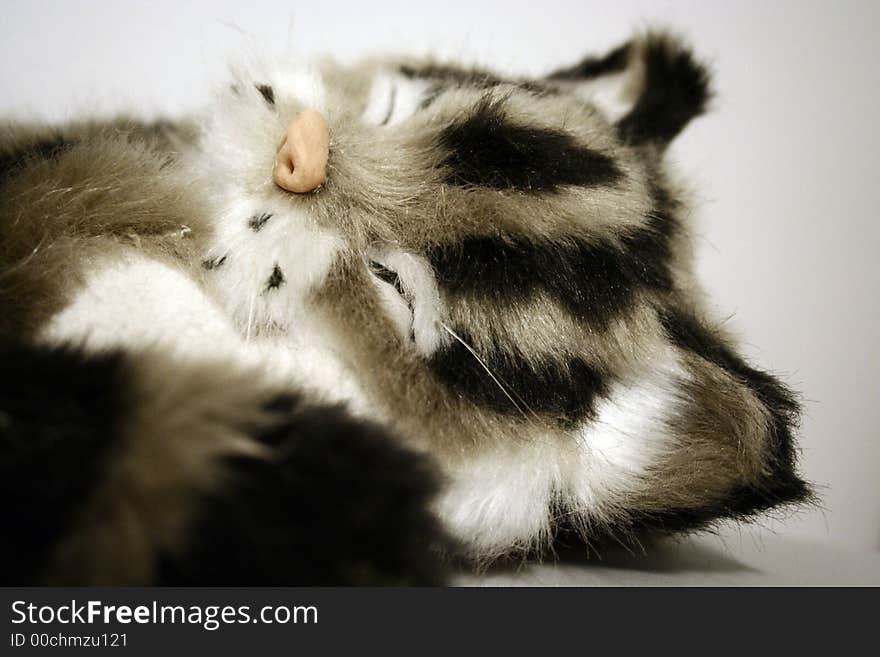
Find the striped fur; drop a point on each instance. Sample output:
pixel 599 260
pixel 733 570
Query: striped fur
pixel 497 270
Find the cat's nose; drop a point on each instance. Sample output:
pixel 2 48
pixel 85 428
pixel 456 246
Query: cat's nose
pixel 301 162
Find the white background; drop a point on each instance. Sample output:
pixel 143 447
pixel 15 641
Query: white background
pixel 786 165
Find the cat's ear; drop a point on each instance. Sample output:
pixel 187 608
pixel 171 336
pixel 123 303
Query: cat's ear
pixel 650 87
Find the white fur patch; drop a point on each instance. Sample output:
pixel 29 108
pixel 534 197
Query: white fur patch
pixel 135 302
pixel 630 433
pixel 287 244
pixel 393 98
pixel 500 500
pixel 507 496
pixel 301 83
pixel 139 302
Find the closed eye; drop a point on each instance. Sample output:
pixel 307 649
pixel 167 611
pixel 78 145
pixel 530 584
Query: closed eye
pixel 408 292
pixel 391 100
pixel 397 303
pixel 394 98
pixel 390 277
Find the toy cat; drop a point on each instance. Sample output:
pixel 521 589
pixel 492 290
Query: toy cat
pixel 353 320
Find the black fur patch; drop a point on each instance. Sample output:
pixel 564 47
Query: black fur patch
pixel 60 417
pixel 676 91
pixel 338 502
pixel 592 281
pixel 267 92
pixel 565 392
pixel 486 150
pixel 276 279
pixel 257 222
pixel 780 483
pixel 214 263
pixel 593 67
pixel 18 158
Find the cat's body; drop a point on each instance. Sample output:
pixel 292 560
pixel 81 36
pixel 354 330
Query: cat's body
pixel 498 272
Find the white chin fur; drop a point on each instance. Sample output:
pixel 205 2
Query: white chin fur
pixel 508 496
pixel 287 241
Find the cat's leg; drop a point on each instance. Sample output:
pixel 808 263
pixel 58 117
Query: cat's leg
pixel 135 467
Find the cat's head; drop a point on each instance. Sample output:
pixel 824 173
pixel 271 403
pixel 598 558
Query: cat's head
pixel 506 267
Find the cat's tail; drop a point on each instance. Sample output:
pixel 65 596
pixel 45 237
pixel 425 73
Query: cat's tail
pixel 131 468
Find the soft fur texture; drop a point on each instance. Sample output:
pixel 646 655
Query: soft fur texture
pixel 495 280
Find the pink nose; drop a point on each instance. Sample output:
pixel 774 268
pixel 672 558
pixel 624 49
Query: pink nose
pixel 301 162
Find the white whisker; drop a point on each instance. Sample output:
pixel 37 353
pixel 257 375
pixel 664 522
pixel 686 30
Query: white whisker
pixel 485 367
pixel 250 319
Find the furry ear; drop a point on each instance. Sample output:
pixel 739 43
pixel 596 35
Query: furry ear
pixel 650 87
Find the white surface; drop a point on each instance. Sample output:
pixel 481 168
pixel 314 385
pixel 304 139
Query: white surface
pixel 786 165
pixel 725 560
